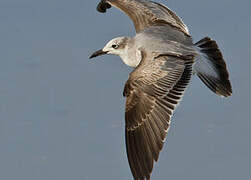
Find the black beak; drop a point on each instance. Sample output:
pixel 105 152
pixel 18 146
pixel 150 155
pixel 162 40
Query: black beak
pixel 98 53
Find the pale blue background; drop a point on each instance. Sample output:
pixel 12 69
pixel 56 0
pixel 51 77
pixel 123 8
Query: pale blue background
pixel 62 115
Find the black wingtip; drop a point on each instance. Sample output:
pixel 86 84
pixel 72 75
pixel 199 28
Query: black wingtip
pixel 103 6
pixel 216 78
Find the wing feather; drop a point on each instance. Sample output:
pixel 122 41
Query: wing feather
pixel 146 13
pixel 152 96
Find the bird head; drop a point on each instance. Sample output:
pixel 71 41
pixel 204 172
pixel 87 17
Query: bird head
pixel 115 46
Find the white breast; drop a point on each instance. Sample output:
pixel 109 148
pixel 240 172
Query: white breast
pixel 131 58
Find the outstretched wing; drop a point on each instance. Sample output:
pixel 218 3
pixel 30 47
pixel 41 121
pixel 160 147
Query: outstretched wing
pixel 153 91
pixel 145 13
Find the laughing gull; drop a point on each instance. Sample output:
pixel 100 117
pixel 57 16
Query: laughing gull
pixel 164 57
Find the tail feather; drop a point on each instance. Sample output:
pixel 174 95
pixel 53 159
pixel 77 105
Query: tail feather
pixel 211 68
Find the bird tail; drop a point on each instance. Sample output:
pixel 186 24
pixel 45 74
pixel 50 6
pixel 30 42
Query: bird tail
pixel 211 67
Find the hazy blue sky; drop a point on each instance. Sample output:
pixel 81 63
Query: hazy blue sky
pixel 62 115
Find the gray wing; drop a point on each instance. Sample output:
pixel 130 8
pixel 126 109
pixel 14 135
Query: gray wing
pixel 145 13
pixel 153 91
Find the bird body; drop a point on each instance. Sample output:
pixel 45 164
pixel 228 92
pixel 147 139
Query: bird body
pixel 164 57
pixel 154 40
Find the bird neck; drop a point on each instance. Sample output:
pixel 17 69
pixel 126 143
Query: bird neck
pixel 131 56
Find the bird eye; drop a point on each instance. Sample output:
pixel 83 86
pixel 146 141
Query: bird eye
pixel 115 46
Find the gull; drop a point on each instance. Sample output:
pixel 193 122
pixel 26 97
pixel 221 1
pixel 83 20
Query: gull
pixel 164 58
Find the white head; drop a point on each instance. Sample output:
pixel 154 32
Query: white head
pixel 120 46
pixel 115 46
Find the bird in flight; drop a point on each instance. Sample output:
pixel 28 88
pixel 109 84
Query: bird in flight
pixel 164 58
